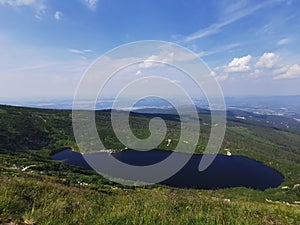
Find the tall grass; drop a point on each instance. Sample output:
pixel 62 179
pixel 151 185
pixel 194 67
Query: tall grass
pixel 46 202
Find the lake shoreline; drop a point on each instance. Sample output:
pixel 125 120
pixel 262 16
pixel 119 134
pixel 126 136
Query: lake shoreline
pixel 230 171
pixel 169 151
pixel 165 150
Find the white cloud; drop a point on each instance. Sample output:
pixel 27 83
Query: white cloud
pixel 237 14
pixel 17 2
pixel 175 81
pixel 288 72
pixel 283 41
pixel 75 51
pixel 239 64
pixel 166 57
pixel 255 74
pixel 138 73
pixel 280 70
pixel 91 4
pixel 80 52
pixel 267 60
pixel 217 76
pixel 219 50
pixel 88 51
pixel 38 5
pixel 58 15
pixel 221 77
pixel 269 65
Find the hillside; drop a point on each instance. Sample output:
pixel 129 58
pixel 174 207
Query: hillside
pixel 55 193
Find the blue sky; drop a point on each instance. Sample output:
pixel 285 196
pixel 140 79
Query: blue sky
pixel 45 46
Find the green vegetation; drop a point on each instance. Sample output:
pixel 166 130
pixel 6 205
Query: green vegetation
pixel 47 202
pixel 51 192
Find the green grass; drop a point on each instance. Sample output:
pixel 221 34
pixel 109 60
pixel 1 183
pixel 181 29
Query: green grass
pixel 46 202
pixel 49 192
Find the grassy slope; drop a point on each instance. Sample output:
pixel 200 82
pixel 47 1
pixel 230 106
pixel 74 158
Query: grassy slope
pixel 49 193
pixel 46 202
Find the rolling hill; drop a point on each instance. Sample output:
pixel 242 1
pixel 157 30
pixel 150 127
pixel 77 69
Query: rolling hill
pixel 52 192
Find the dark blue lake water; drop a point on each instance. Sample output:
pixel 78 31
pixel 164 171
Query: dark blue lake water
pixel 224 172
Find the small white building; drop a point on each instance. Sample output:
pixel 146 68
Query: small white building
pixel 169 142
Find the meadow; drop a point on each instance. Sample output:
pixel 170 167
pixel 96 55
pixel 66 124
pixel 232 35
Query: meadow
pixel 52 192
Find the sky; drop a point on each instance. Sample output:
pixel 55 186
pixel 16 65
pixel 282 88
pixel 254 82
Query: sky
pixel 251 46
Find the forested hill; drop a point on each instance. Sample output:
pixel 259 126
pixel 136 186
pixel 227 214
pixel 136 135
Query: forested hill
pixel 29 128
pixel 52 192
pixel 265 138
